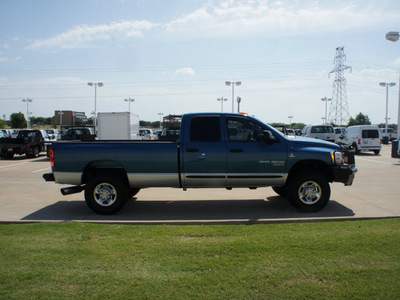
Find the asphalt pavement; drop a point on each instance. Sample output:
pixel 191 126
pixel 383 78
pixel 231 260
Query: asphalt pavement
pixel 26 197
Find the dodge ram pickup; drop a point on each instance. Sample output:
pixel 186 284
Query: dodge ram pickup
pixel 214 150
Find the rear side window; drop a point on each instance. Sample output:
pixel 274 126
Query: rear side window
pixel 321 129
pixel 205 129
pixel 370 134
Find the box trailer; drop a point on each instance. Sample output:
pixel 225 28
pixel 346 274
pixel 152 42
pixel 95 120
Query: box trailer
pixel 117 126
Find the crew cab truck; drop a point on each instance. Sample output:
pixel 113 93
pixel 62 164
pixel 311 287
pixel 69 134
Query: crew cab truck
pixel 214 150
pixel 28 142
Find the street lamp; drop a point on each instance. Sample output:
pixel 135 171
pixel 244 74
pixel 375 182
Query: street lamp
pixel 222 99
pixel 98 84
pixel 27 100
pixel 325 99
pixel 387 85
pixel 290 121
pixel 232 83
pixel 393 36
pixel 239 99
pixel 160 114
pixel 129 100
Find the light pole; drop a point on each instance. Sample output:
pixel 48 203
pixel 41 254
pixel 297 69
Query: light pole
pixel 393 36
pixel 27 100
pixel 129 100
pixel 387 85
pixel 222 99
pixel 239 99
pixel 233 83
pixel 290 121
pixel 325 99
pixel 98 84
pixel 160 114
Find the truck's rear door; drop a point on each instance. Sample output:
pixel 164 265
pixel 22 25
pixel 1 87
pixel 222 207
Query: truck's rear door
pixel 204 155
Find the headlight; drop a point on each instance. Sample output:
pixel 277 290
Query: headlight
pixel 337 158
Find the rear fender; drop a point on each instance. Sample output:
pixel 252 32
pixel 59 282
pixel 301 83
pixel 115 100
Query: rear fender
pixel 103 166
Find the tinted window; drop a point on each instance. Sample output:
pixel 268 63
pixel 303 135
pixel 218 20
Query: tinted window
pixel 321 129
pixel 370 134
pixel 205 129
pixel 242 130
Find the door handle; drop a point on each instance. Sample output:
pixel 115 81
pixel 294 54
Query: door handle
pixel 237 150
pixel 192 150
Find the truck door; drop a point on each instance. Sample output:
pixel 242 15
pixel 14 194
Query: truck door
pixel 252 161
pixel 204 153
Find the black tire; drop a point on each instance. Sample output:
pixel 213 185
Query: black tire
pixel 7 155
pixel 281 190
pixel 376 152
pixel 106 194
pixel 309 191
pixel 33 153
pixel 133 192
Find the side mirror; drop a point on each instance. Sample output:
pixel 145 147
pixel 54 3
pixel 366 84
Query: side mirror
pixel 269 137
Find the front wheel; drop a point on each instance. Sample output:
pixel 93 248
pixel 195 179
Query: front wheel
pixel 309 191
pixel 106 194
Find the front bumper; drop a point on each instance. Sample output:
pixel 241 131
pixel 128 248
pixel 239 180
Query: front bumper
pixel 344 174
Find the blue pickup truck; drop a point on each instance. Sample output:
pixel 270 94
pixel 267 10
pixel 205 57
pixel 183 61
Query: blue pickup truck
pixel 214 150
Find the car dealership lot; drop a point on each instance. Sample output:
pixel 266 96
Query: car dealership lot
pixel 26 197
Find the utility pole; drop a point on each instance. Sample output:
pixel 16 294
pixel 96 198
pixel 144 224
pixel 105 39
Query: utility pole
pixel 27 100
pixel 339 110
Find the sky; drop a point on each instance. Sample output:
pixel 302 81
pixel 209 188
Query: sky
pixel 174 57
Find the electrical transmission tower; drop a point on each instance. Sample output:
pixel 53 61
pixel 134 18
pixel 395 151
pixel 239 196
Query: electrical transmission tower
pixel 339 109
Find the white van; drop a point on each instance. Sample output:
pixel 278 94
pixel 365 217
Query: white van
pixel 322 132
pixel 363 138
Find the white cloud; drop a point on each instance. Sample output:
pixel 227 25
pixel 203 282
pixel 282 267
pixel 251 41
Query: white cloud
pixel 185 71
pixel 236 18
pixel 85 35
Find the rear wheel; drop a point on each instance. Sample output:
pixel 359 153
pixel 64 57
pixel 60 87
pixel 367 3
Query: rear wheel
pixel 309 191
pixel 376 152
pixel 106 193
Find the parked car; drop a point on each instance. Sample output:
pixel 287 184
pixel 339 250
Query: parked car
pixel 391 134
pixel 214 150
pixel 29 142
pixel 82 134
pixel 52 134
pixel 321 132
pixel 338 133
pixel 147 134
pixel 362 138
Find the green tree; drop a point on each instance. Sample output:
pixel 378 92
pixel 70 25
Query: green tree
pixel 18 120
pixel 360 119
pixel 3 124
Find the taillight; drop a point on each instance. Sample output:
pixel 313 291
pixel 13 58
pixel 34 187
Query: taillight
pixel 359 141
pixel 52 158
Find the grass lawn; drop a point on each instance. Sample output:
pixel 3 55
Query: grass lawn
pixel 335 260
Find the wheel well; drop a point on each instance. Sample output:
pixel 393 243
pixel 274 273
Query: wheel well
pixel 104 167
pixel 312 165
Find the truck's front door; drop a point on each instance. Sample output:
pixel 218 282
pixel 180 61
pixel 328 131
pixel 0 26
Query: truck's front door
pixel 252 161
pixel 204 153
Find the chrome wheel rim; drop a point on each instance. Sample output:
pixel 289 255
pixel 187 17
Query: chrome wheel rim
pixel 105 194
pixel 310 192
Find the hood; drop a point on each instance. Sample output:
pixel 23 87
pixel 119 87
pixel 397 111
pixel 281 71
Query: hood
pixel 310 142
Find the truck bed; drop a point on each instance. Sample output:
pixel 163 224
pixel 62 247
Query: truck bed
pixel 147 163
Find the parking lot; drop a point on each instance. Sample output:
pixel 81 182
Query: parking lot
pixel 26 197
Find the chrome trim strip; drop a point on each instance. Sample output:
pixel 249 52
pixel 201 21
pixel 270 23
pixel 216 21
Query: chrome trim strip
pixel 68 178
pixel 153 179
